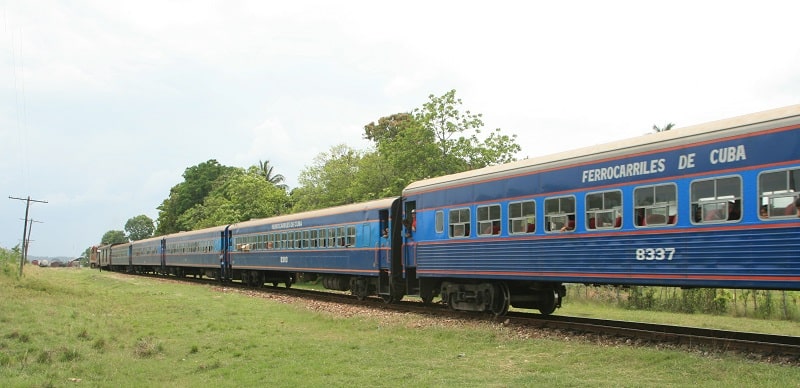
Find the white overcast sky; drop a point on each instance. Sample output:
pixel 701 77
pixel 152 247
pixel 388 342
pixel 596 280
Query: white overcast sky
pixel 104 104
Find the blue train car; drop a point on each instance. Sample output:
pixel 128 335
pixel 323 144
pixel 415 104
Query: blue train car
pixel 353 247
pixel 196 253
pixel 119 256
pixel 103 254
pixel 148 255
pixel 704 206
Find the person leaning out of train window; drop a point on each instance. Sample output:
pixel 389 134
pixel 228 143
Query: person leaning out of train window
pixel 734 211
pixel 797 206
pixel 570 225
pixel 411 224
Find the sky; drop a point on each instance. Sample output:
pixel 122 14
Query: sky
pixel 104 104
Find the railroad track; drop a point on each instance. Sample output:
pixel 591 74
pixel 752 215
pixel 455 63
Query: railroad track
pixel 765 345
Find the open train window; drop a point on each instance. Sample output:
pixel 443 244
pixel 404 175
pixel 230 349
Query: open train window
pixel 488 220
pixel 522 217
pixel 459 223
pixel 604 210
pixel 655 205
pixel 716 200
pixel 777 192
pixel 559 214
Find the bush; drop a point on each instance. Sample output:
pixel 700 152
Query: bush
pixel 9 259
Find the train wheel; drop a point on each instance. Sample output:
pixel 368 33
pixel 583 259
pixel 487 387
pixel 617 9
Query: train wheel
pixel 502 299
pixel 387 298
pixel 549 302
pixel 288 282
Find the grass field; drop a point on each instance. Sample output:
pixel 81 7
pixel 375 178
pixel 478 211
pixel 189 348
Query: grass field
pixel 64 327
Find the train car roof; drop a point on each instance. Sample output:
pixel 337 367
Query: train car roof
pixel 616 148
pixel 355 207
pixel 213 229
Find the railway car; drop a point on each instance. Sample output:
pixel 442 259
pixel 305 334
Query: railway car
pixel 104 256
pixel 353 247
pixel 120 257
pixel 195 253
pixel 148 255
pixel 705 206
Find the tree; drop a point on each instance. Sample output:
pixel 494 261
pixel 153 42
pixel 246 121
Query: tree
pixel 443 117
pixel 240 196
pixel 664 129
pixel 198 181
pixel 139 227
pixel 265 170
pixel 113 237
pixel 329 182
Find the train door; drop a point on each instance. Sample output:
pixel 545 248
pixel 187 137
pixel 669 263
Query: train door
pixel 225 266
pixel 408 250
pixel 130 258
pixel 163 253
pixel 390 259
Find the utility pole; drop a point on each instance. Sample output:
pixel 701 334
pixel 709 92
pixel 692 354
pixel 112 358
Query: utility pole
pixel 25 229
pixel 27 244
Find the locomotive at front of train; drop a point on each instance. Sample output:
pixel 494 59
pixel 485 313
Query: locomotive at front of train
pixel 351 248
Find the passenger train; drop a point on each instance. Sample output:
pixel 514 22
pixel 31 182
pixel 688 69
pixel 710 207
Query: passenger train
pixel 711 205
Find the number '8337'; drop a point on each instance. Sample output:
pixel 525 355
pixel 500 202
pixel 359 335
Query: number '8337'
pixel 654 253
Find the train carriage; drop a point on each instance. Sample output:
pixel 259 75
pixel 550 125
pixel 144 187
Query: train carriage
pixel 148 255
pixel 350 246
pixel 120 257
pixel 195 253
pixel 704 206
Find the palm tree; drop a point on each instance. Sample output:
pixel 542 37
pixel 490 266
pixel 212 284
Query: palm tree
pixel 664 129
pixel 265 170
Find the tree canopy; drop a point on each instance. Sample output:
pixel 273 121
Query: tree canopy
pixel 113 237
pixel 139 227
pixel 438 138
pixel 198 182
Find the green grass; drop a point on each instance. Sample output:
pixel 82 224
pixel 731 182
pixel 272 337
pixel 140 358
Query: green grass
pixel 61 327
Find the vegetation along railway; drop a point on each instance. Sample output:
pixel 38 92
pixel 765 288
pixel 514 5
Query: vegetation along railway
pixel 712 205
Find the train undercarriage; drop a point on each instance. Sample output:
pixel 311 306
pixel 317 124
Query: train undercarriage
pixel 498 296
pixel 495 297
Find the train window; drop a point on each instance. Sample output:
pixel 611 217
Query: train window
pixel 340 236
pixel 459 223
pixel 331 237
pixel 655 205
pixel 522 217
pixel 313 239
pixel 777 191
pixel 488 218
pixel 716 200
pixel 604 210
pixel 306 237
pixel 351 236
pixel 559 214
pixel 439 220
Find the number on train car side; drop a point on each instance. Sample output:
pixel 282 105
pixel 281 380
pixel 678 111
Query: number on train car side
pixel 654 254
pixel 284 259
